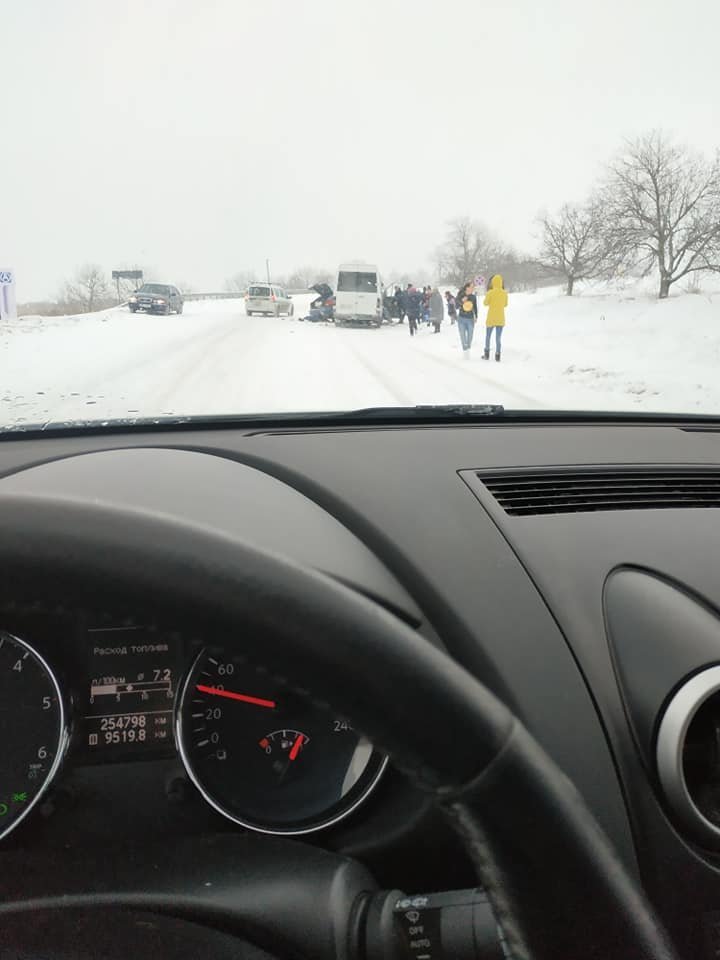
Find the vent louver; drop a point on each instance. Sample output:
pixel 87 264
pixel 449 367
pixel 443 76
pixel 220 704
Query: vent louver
pixel 585 491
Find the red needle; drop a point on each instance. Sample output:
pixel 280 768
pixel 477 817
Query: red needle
pixel 295 749
pixel 215 692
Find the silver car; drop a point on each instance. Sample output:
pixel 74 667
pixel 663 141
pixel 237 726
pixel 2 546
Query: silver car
pixel 268 299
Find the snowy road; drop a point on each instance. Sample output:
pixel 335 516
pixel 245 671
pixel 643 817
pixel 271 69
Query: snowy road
pixel 215 359
pixel 601 351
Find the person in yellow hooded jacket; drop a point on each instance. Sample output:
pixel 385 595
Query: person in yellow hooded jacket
pixel 496 299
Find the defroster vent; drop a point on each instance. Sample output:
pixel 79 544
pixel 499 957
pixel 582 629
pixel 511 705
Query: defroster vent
pixel 583 491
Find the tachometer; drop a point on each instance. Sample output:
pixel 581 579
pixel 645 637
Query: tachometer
pixel 32 729
pixel 266 757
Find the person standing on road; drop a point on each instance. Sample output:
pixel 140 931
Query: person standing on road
pixel 425 308
pixel 406 299
pixel 413 308
pixel 437 309
pixel 451 306
pixel 496 299
pixel 467 315
pixel 400 303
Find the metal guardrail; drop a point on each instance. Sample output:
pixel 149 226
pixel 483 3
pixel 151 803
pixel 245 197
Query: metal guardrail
pixel 233 296
pixel 213 296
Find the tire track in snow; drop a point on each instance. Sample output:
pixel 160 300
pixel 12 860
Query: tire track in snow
pixel 411 357
pixel 200 367
pixel 390 384
pixel 148 369
pixel 480 379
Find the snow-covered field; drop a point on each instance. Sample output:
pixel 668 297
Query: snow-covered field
pixel 614 350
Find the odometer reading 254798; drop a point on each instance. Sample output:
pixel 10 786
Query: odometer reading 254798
pixel 266 757
pixel 32 729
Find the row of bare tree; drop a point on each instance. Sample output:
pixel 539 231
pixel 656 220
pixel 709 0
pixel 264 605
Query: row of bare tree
pixel 471 250
pixel 657 208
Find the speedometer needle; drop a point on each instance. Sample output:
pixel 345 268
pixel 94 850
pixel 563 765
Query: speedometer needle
pixel 244 697
pixel 295 749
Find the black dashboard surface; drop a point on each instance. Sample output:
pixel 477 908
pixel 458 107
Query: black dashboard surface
pixel 403 516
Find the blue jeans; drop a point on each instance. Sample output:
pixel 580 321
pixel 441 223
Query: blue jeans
pixel 466 328
pixel 498 338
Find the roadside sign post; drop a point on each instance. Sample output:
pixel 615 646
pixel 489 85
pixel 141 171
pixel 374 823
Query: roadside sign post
pixel 119 275
pixel 8 304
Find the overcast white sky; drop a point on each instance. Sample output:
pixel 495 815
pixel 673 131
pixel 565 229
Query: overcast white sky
pixel 199 137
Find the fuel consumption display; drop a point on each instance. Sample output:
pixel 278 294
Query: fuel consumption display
pixel 32 729
pixel 130 691
pixel 266 757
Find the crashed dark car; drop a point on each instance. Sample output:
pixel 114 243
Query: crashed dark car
pixel 322 307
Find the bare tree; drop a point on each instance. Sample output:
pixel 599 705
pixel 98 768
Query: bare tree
pixel 88 290
pixel 323 275
pixel 240 281
pixel 574 243
pixel 468 251
pixel 662 202
pixel 402 278
pixel 305 277
pixel 522 273
pixel 298 280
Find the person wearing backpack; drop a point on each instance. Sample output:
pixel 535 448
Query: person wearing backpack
pixel 467 315
pixel 496 299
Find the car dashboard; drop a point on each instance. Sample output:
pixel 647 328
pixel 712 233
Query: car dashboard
pixel 571 566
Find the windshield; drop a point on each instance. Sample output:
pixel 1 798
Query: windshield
pixel 156 288
pixel 351 281
pixel 528 194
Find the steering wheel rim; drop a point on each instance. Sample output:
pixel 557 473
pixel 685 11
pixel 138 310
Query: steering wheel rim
pixel 504 796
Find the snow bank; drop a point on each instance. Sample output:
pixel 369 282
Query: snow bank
pixel 617 352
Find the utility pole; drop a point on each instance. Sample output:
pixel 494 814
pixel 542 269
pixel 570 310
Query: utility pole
pixel 267 270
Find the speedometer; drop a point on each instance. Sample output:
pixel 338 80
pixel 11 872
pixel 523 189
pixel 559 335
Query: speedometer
pixel 32 729
pixel 266 757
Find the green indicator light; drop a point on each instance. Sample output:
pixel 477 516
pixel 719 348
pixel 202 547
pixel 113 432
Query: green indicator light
pixel 3 809
pixel 19 797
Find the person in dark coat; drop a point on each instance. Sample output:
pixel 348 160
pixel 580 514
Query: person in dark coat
pixel 426 304
pixel 400 303
pixel 437 309
pixel 413 308
pixel 451 306
pixel 467 315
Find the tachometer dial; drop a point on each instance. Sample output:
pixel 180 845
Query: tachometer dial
pixel 32 729
pixel 264 756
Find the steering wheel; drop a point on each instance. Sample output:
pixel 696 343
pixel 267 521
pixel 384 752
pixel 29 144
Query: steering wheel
pixel 557 888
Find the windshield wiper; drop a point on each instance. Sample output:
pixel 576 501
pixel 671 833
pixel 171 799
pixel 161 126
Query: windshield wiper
pixel 424 411
pixel 447 413
pixel 432 412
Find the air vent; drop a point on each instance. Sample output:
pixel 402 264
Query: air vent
pixel 584 491
pixel 688 754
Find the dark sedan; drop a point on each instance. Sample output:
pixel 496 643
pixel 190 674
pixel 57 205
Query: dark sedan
pixel 157 298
